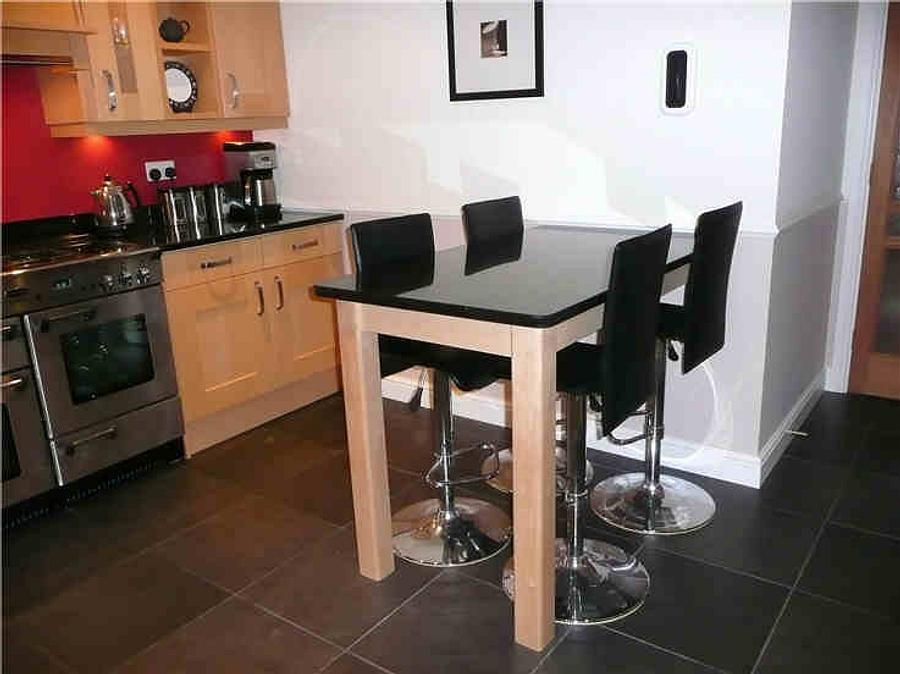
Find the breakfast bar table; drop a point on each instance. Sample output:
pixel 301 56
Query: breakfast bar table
pixel 525 299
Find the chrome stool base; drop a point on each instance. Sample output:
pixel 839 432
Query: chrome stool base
pixel 602 585
pixel 624 502
pixel 503 481
pixel 428 535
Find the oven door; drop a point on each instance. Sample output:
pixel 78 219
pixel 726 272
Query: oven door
pixel 99 359
pixel 27 468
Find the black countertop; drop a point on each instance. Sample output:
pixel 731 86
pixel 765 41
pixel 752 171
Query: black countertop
pixel 290 219
pixel 539 280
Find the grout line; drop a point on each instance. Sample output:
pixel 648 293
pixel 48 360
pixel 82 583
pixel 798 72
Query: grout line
pixel 717 565
pixel 662 649
pixel 843 604
pixel 297 626
pixel 566 630
pixel 862 530
pixel 809 555
pixel 368 662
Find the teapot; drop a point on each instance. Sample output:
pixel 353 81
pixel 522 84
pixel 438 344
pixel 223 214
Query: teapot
pixel 113 208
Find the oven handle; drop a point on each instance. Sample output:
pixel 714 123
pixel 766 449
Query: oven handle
pixel 99 435
pixel 84 314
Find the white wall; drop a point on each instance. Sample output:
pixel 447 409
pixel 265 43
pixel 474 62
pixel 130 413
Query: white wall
pixel 372 126
pixel 372 131
pixel 809 204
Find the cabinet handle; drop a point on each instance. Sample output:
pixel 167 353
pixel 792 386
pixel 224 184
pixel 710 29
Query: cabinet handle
pixel 17 383
pixel 305 244
pixel 75 444
pixel 112 100
pixel 235 91
pixel 279 286
pixel 212 264
pixel 261 309
pixel 119 31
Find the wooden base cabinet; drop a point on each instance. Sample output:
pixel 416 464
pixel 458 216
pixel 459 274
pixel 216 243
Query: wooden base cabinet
pixel 252 346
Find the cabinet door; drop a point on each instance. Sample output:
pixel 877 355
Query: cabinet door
pixel 250 56
pixel 303 325
pixel 60 16
pixel 221 343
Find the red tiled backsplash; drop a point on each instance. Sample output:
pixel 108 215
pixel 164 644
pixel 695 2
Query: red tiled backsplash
pixel 45 176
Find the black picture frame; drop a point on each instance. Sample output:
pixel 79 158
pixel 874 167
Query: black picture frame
pixel 536 91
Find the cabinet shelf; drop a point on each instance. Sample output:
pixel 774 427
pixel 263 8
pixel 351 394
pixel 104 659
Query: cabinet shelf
pixel 184 47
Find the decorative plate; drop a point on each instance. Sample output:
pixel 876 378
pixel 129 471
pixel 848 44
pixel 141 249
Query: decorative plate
pixel 181 86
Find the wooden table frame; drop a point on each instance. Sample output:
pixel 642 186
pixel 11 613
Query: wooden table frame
pixel 533 353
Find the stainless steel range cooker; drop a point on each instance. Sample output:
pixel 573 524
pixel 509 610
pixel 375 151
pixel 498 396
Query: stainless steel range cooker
pixel 97 385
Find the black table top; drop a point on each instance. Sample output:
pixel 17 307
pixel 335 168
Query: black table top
pixel 551 274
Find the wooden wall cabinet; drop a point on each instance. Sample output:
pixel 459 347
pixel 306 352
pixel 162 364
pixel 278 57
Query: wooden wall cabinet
pixel 251 341
pixel 116 84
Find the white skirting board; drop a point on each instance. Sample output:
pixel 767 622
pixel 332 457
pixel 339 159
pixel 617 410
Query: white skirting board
pixel 489 406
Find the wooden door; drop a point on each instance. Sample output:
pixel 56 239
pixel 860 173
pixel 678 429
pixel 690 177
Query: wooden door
pixel 875 367
pixel 221 341
pixel 57 16
pixel 303 325
pixel 250 58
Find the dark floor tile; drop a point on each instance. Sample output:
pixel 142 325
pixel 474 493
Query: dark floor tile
pixel 455 625
pixel 880 453
pixel 44 556
pixel 323 421
pixel 768 543
pixel 241 543
pixel 21 657
pixel 146 511
pixel 99 623
pixel 710 614
pixel 856 568
pixel 348 664
pixel 869 501
pixel 324 490
pixel 801 486
pixel 323 591
pixel 816 635
pixel 235 637
pixel 834 430
pixel 595 650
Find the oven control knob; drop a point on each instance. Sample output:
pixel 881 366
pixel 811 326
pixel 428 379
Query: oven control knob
pixel 142 274
pixel 108 281
pixel 125 278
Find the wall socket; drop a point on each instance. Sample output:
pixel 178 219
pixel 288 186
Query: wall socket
pixel 159 170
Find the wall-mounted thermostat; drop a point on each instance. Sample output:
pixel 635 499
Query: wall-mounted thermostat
pixel 679 79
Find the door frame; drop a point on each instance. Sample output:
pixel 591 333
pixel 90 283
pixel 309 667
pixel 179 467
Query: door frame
pixel 862 117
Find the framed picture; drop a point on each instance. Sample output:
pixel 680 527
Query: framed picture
pixel 495 49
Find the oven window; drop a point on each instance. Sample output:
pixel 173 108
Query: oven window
pixel 11 466
pixel 106 358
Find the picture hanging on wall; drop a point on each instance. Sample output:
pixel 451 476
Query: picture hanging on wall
pixel 495 49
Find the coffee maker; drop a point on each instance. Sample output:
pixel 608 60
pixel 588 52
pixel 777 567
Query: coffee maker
pixel 251 165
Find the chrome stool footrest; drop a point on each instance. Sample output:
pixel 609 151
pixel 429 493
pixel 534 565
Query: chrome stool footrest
pixel 502 480
pixel 490 468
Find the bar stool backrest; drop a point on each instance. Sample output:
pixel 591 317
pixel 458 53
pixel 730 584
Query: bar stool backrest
pixel 497 218
pixel 706 293
pixel 379 245
pixel 630 319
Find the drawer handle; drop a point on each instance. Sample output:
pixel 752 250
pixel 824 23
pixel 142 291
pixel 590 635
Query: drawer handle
pixel 9 332
pixel 261 308
pixel 106 433
pixel 212 264
pixel 17 383
pixel 279 286
pixel 305 245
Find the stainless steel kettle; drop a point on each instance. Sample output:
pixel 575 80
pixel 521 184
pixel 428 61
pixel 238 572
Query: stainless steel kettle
pixel 113 208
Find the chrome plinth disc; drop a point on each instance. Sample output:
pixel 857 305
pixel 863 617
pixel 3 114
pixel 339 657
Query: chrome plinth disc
pixel 623 502
pixel 427 535
pixel 603 585
pixel 503 481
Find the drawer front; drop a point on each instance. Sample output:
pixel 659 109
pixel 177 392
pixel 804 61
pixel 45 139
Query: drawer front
pixel 15 352
pixel 182 268
pixel 304 243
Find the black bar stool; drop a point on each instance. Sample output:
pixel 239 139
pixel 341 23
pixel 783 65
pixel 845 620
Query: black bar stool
pixel 398 253
pixel 597 582
pixel 490 226
pixel 648 502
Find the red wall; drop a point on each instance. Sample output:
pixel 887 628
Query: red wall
pixel 44 176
